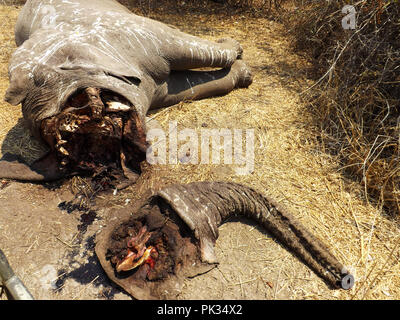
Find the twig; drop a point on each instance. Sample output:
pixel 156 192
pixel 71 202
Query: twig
pixel 85 287
pixel 243 282
pixel 223 276
pixel 67 244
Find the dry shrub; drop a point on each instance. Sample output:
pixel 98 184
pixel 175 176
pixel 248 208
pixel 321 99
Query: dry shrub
pixel 12 2
pixel 255 4
pixel 355 99
pixel 249 6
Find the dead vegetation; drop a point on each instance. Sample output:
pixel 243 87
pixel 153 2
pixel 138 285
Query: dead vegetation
pixel 254 5
pixel 355 99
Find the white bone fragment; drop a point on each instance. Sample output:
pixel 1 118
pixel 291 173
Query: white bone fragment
pixel 63 151
pixel 117 106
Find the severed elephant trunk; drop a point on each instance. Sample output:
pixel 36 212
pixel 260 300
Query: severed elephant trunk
pixel 150 248
pixel 205 206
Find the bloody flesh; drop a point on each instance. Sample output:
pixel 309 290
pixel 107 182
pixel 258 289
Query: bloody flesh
pixel 90 136
pixel 165 239
pixel 138 253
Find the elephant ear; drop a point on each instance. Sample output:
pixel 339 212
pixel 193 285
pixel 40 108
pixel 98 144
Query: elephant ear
pixel 18 89
pixel 44 169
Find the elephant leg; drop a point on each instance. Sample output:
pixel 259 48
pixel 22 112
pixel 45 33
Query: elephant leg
pixel 195 85
pixel 189 52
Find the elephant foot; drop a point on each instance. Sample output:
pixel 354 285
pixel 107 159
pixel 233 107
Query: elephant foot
pixel 243 74
pixel 232 44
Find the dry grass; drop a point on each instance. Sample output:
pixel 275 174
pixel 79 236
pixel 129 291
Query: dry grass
pixel 290 164
pixel 356 98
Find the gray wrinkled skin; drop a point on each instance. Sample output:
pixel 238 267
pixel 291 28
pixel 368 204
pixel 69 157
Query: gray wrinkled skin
pixel 67 45
pixel 204 206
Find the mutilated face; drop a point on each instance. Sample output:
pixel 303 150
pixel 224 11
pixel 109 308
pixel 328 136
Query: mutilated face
pixel 151 244
pixel 97 131
pixel 150 252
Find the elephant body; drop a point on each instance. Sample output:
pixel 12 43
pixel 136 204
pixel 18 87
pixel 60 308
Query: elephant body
pixel 68 47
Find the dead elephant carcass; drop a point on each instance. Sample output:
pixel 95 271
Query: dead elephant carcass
pixel 172 234
pixel 86 74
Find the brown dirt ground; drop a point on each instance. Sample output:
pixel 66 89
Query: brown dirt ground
pixel 52 250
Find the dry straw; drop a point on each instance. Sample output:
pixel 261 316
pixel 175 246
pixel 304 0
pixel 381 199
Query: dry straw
pixel 356 97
